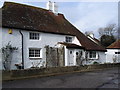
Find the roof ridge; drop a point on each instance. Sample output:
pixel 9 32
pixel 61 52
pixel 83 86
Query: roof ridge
pixel 30 6
pixel 26 5
pixel 42 20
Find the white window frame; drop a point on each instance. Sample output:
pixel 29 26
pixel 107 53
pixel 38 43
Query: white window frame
pixel 34 37
pixel 68 39
pixel 34 53
pixel 94 55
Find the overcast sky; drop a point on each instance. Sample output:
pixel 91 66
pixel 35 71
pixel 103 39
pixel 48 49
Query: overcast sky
pixel 86 16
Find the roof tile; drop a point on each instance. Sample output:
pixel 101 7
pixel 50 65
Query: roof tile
pixel 31 18
pixel 115 45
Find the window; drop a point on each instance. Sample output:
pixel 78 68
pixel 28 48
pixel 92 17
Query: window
pixel 34 53
pixel 117 52
pixel 34 36
pixel 70 52
pixel 92 55
pixel 68 39
pixel 76 53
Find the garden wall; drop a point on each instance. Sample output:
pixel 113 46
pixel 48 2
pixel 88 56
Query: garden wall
pixel 30 73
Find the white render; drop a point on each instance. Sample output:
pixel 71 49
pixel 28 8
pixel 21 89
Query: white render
pixel 0 48
pixel 45 39
pixel 71 58
pixel 110 55
pixel 101 58
pixel 16 41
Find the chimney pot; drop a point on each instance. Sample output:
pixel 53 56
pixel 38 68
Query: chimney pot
pixel 52 6
pixel 49 5
pixel 55 8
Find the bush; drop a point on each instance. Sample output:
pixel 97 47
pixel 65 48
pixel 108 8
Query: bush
pixel 95 63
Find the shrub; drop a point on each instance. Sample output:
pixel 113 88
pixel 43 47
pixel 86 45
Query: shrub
pixel 95 63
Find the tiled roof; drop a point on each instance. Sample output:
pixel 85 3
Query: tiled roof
pixel 71 45
pixel 31 18
pixel 96 40
pixel 115 45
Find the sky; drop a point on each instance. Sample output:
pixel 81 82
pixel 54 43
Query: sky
pixel 85 15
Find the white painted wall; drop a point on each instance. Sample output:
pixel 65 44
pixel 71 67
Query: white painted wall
pixel 66 56
pixel 110 55
pixel 76 41
pixel 101 58
pixel 74 54
pixel 16 41
pixel 45 39
pixel 0 48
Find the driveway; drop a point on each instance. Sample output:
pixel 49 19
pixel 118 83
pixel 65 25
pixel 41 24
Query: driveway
pixel 107 78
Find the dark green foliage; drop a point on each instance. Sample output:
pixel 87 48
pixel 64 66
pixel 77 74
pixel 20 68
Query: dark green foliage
pixel 107 34
pixel 107 40
pixel 95 63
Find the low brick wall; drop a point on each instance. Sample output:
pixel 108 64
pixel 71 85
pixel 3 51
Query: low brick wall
pixel 29 73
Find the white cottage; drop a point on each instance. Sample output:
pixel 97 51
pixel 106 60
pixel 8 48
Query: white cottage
pixel 113 52
pixel 32 28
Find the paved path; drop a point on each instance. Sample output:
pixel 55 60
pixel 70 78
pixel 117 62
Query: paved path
pixel 107 78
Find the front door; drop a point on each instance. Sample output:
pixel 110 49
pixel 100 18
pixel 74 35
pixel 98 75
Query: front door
pixel 70 57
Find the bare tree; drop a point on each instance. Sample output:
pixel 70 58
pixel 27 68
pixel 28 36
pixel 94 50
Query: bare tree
pixel 107 34
pixel 110 29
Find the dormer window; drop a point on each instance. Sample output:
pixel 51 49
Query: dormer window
pixel 68 39
pixel 34 36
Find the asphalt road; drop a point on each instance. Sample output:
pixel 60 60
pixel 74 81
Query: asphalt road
pixel 107 78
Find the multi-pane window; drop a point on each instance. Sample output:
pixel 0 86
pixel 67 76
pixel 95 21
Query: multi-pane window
pixel 68 39
pixel 117 52
pixel 34 52
pixel 92 54
pixel 34 36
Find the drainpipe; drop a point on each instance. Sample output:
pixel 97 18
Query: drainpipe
pixel 22 51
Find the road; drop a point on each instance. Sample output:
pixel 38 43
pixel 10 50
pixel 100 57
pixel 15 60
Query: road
pixel 107 78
